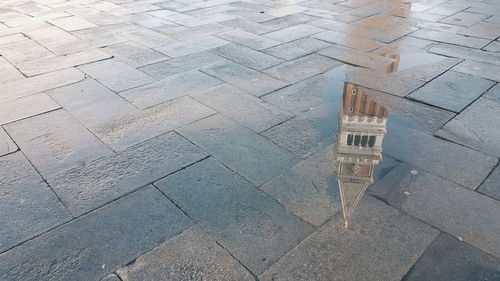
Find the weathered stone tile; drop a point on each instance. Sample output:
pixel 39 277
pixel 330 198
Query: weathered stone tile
pixel 493 93
pixel 251 14
pixel 192 253
pixel 250 225
pixel 482 30
pixel 16 109
pixel 456 210
pixel 355 57
pixel 205 19
pixel 199 31
pixel 169 88
pixel 344 17
pixel 6 144
pixel 55 142
pixel 207 8
pixel 491 186
pixel 429 66
pixel 146 37
pixel 246 56
pixel 302 68
pixel 389 33
pixel 290 20
pixel 448 259
pixel 286 10
pixel 437 156
pixel 456 90
pixel 116 75
pixel 470 129
pixel 464 18
pixel 245 109
pixel 198 44
pixel 134 54
pixel 71 23
pixel 343 39
pixel 87 187
pixel 248 39
pixel 242 150
pixel 297 48
pixel 493 47
pixel 249 80
pixel 307 133
pixel 379 20
pixel 12 38
pixel 91 103
pixel 447 9
pixel 9 72
pixel 249 26
pixel 154 121
pixel 381 243
pixel 28 205
pixel 51 36
pixel 292 33
pixel 24 50
pixel 466 53
pixel 450 38
pixel 479 69
pixel 111 277
pixel 114 236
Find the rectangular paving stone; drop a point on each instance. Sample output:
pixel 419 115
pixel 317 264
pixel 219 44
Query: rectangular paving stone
pixel 482 30
pixel 12 38
pixel 20 108
pixel 448 259
pixel 28 205
pixel 249 26
pixel 196 45
pixel 205 19
pixel 286 10
pixel 456 90
pixel 169 88
pixel 355 57
pixel 464 18
pixel 91 103
pixel 116 75
pixel 292 33
pixel 51 36
pixel 71 23
pixel 24 50
pixel 246 56
pixel 298 48
pixel 428 70
pixel 479 69
pixel 248 39
pixel 145 124
pixel 247 223
pixel 6 144
pixel 191 253
pixel 134 54
pixel 470 129
pixel 381 243
pixel 114 236
pixel 299 69
pixel 9 72
pixel 491 186
pixel 244 108
pixel 146 37
pixel 250 155
pixel 450 38
pixel 251 14
pixel 290 20
pixel 466 53
pixel 350 41
pixel 445 205
pixel 55 142
pixel 493 93
pixel 90 186
pixel 249 80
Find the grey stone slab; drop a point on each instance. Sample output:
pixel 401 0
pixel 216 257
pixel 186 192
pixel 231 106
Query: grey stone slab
pixel 111 277
pixel 246 56
pixel 149 123
pixel 249 80
pixel 491 186
pixel 28 205
pixel 250 14
pixel 451 38
pixel 464 18
pixel 466 53
pixel 307 133
pixel 456 210
pixel 51 36
pixel 342 17
pixel 24 107
pixel 297 48
pixel 71 23
pixel 195 45
pixel 448 259
pixel 356 57
pixel 193 254
pixel 452 91
pixel 6 144
pixel 169 88
pixel 55 142
pixel 347 40
pixel 204 19
pixel 91 103
pixel 479 69
pixel 134 54
pixel 290 20
pixel 244 108
pixel 181 64
pixel 27 86
pixel 286 10
pixel 427 71
pixel 493 47
pixel 248 39
pixel 12 38
pixel 116 75
pixel 199 31
pixel 249 26
pixel 146 37
pixel 483 30
pixel 99 243
pixel 299 69
pixel 87 187
pixel 437 156
pixel 381 243
pixel 250 155
pixel 470 129
pixel 292 33
pixel 493 93
pixel 250 225
pixel 9 72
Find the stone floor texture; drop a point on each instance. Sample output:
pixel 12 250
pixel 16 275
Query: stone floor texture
pixel 312 140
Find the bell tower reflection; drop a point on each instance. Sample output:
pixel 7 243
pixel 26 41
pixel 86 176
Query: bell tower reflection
pixel 361 130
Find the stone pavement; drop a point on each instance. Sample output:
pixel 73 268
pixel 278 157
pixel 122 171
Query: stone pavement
pixel 250 140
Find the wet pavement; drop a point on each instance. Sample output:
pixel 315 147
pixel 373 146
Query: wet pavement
pixel 249 140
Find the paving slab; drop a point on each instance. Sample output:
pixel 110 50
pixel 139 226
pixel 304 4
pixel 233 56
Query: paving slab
pixel 114 236
pixel 195 45
pixel 355 57
pixel 493 93
pixel 470 129
pixel 184 33
pixel 390 242
pixel 134 54
pixel 293 32
pixel 193 254
pixel 246 56
pixel 448 259
pixel 491 186
pixel 247 223
pixel 6 144
pixel 249 26
pixel 24 50
pixel 71 23
pixel 428 70
pixel 479 69
pixel 248 39
pixel 51 36
pixel 24 107
pixel 28 205
pixel 451 38
pixel 9 72
pixel 298 48
pixel 464 18
pixel 250 155
pixel 466 53
pixel 483 30
pixel 350 41
pixel 456 90
pixel 111 277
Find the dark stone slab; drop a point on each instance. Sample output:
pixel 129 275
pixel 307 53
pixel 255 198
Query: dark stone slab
pixel 250 225
pixel 85 188
pixel 91 247
pixel 491 186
